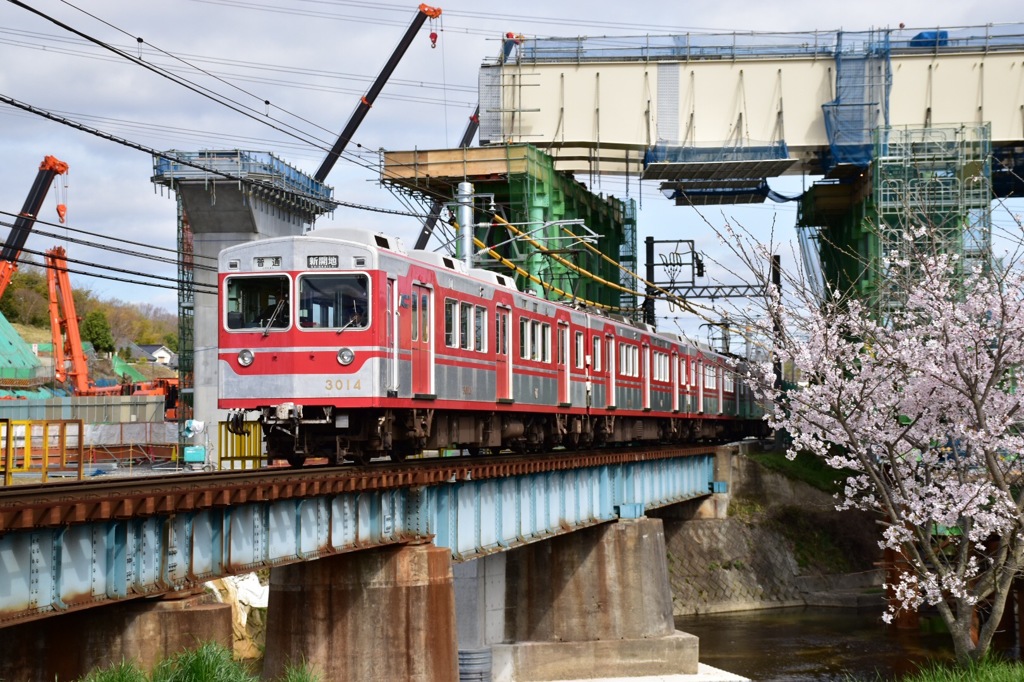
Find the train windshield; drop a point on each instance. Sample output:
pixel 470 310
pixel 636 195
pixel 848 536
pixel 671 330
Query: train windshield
pixel 258 302
pixel 336 301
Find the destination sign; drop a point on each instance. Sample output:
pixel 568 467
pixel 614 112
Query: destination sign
pixel 266 263
pixel 320 262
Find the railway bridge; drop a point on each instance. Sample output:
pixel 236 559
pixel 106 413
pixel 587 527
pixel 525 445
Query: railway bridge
pixel 536 568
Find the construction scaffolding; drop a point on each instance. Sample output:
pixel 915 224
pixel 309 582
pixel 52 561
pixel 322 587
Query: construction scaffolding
pixel 854 223
pixel 552 221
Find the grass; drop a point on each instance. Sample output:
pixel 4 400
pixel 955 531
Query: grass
pixel 122 672
pixel 990 670
pixel 211 662
pixel 804 467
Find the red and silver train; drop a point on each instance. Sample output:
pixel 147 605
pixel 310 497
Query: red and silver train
pixel 349 347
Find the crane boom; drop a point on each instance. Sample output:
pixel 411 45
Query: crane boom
pixel 48 170
pixel 422 14
pixel 67 339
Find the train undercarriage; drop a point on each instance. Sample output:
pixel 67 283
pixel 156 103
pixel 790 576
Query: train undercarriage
pixel 296 433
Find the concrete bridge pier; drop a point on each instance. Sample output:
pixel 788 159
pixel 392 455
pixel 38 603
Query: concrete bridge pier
pixel 480 612
pixel 145 631
pixel 379 614
pixel 594 603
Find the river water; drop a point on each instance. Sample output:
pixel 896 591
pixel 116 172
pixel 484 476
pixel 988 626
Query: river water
pixel 815 644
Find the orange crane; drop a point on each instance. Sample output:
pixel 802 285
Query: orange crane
pixel 67 340
pixel 50 168
pixel 67 344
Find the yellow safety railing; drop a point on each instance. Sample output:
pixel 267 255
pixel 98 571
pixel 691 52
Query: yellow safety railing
pixel 237 451
pixel 41 447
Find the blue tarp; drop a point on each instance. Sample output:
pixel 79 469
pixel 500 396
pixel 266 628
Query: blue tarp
pixel 930 39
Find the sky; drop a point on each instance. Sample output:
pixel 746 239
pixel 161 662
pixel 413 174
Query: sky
pixel 312 60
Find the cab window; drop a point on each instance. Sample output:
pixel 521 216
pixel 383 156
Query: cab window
pixel 335 301
pixel 259 302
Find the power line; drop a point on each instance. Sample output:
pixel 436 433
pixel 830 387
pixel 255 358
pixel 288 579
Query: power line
pixel 105 247
pixel 198 287
pixel 199 90
pixel 335 203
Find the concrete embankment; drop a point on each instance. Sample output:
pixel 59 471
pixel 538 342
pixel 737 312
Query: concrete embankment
pixel 771 542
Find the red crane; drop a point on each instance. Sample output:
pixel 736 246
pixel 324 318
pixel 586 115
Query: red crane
pixel 48 170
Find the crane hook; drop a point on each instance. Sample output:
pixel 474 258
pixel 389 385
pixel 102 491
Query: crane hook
pixel 433 39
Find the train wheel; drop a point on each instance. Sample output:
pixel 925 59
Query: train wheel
pixel 473 450
pixel 295 461
pixel 401 452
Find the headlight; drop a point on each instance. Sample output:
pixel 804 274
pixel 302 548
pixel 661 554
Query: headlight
pixel 245 357
pixel 346 356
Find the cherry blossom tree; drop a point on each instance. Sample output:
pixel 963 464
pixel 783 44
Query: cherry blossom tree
pixel 916 395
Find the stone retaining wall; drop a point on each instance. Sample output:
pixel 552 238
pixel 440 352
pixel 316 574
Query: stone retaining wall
pixel 739 562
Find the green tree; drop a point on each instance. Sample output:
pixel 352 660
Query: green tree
pixel 96 329
pixel 171 341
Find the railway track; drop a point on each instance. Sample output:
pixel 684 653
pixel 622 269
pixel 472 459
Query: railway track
pixel 64 503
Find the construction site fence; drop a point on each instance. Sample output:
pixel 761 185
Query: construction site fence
pixel 91 409
pixel 35 450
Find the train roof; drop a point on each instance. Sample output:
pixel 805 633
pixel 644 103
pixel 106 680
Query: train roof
pixel 359 236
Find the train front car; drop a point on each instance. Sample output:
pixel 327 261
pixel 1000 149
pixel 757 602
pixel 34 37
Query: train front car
pixel 303 328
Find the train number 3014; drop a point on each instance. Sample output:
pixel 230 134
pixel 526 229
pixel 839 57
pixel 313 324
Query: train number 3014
pixel 343 385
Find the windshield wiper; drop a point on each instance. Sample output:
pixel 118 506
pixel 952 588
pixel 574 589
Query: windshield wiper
pixel 273 316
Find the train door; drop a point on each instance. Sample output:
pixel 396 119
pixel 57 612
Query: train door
pixel 610 356
pixel 502 367
pixel 646 351
pixel 563 363
pixel 594 369
pixel 700 386
pixel 391 373
pixel 720 373
pixel 420 342
pixel 677 368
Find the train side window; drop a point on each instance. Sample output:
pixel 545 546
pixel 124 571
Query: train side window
pixel 660 366
pixel 465 325
pixel 501 332
pixel 597 353
pixel 480 328
pixel 628 355
pixel 524 338
pixel 425 316
pixel 450 335
pixel 545 343
pixel 579 349
pixel 710 376
pixel 727 381
pixel 415 326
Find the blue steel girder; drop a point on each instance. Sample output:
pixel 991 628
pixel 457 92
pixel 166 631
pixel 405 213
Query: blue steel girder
pixel 49 571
